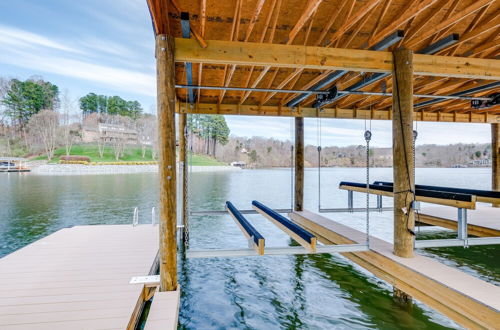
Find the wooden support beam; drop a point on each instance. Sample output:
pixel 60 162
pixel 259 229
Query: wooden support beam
pixel 299 164
pixel 495 158
pixel 323 58
pixel 402 151
pixel 343 113
pixel 184 173
pixel 165 76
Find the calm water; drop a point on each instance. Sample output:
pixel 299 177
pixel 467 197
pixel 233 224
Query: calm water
pixel 313 292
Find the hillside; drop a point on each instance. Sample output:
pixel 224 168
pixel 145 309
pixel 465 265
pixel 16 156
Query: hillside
pixel 262 152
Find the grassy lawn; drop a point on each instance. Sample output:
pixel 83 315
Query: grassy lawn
pixel 202 160
pixel 129 155
pixel 132 154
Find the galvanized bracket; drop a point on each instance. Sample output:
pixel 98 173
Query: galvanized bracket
pixel 148 281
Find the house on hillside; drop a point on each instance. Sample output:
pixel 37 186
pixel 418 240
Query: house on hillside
pixel 109 132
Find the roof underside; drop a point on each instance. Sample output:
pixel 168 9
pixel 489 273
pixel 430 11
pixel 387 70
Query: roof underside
pixel 352 24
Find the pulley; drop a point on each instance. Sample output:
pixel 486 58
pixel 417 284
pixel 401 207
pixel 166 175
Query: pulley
pixel 368 135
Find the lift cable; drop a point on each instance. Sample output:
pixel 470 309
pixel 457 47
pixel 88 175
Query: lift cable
pixel 292 162
pixel 368 137
pixel 319 137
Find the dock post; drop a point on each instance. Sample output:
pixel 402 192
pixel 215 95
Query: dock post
pixel 165 75
pixel 495 158
pixel 299 163
pixel 184 169
pixel 402 150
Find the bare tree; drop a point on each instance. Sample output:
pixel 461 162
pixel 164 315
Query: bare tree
pixel 119 131
pixel 42 128
pixel 70 129
pixel 93 123
pixel 146 131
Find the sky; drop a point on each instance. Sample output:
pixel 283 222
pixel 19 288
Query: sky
pixel 107 47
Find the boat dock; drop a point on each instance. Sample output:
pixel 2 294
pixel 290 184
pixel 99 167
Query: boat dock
pixel 78 278
pixel 466 299
pixel 484 221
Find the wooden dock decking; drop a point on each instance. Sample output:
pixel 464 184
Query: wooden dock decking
pixel 466 299
pixel 78 278
pixel 164 311
pixel 484 221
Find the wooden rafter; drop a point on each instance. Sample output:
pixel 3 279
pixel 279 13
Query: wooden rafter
pixel 380 19
pixel 336 23
pixel 451 20
pixel 251 25
pixel 410 11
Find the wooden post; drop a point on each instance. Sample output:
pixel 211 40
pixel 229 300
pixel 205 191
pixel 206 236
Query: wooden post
pixel 402 152
pixel 165 76
pixel 299 163
pixel 495 158
pixel 183 161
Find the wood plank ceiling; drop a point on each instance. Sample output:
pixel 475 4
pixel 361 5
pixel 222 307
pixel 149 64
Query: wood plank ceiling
pixel 352 24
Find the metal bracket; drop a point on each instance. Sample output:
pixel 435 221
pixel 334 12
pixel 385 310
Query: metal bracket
pixel 148 281
pixel 462 226
pixel 350 201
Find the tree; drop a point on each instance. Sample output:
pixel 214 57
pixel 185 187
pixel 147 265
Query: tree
pixel 70 129
pixel 23 99
pixel 93 121
pixel 146 129
pixel 42 127
pixel 212 129
pixel 4 87
pixel 111 105
pixel 119 137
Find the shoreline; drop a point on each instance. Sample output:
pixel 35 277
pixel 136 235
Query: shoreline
pixel 75 169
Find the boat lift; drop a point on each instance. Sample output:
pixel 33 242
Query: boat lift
pixel 460 198
pixel 307 240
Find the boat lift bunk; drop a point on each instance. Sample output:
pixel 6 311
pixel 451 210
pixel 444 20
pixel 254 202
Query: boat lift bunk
pixel 254 237
pixel 307 240
pixel 462 199
pixel 482 196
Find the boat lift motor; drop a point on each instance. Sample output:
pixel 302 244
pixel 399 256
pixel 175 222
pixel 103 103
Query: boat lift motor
pixel 323 99
pixel 480 104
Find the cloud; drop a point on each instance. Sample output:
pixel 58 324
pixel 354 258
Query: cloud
pixel 31 51
pixel 28 40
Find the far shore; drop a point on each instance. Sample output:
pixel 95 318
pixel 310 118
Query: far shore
pixel 75 169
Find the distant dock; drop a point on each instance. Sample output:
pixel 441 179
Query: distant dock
pixel 13 165
pixel 78 278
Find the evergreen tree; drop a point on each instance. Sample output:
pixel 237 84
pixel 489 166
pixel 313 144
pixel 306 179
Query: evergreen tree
pixel 111 105
pixel 23 99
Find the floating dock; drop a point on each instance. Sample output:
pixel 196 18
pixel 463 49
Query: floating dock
pixel 78 278
pixel 484 221
pixel 466 299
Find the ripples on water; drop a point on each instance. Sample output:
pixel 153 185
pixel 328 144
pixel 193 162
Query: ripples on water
pixel 314 292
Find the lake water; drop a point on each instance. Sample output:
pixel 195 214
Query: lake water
pixel 288 292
